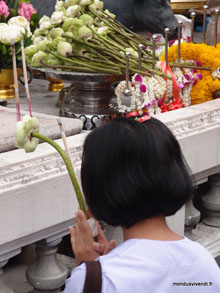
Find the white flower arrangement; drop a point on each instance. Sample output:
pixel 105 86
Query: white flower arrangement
pixel 21 22
pixel 146 94
pixel 216 73
pixel 155 94
pixel 11 33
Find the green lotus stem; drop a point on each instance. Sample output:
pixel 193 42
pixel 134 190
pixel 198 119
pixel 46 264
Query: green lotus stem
pixel 80 63
pixel 115 38
pixel 106 39
pixel 156 71
pixel 114 28
pixel 134 70
pixel 79 69
pixel 95 52
pixel 106 61
pixel 111 48
pixel 104 65
pixel 93 46
pixel 69 169
pixel 94 41
pixel 132 45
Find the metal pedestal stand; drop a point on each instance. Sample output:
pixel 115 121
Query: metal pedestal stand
pixel 88 97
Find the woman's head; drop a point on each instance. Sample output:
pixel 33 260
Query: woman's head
pixel 132 171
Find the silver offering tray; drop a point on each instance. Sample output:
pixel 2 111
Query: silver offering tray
pixel 88 97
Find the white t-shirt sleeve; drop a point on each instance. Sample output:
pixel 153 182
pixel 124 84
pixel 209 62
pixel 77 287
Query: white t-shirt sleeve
pixel 75 283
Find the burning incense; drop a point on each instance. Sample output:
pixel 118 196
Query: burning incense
pixel 15 81
pixel 25 77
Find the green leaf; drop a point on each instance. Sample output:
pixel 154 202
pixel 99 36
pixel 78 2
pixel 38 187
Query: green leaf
pixel 2 18
pixel 34 21
pixel 13 12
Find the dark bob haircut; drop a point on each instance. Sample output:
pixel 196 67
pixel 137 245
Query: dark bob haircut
pixel 132 171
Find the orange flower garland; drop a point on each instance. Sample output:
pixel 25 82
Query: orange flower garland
pixel 209 56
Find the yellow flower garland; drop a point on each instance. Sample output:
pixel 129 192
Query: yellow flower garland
pixel 209 56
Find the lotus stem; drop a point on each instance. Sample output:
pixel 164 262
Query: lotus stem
pixel 69 169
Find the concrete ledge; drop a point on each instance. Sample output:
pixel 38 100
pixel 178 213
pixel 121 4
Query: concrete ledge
pixel 48 124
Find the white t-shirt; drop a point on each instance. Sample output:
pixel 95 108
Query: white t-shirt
pixel 142 266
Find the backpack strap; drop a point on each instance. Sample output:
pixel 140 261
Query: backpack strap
pixel 93 280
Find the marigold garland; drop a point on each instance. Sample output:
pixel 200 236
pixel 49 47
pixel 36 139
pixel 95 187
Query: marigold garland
pixel 209 56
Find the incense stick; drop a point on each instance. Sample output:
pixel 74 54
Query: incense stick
pixel 25 77
pixel 15 81
pixel 67 150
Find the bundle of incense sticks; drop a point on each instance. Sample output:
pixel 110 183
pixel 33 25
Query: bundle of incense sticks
pixel 16 79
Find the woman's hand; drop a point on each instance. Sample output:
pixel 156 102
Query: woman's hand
pixel 83 245
pixel 103 246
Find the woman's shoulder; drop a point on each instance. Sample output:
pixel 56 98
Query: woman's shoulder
pixel 75 282
pixel 154 255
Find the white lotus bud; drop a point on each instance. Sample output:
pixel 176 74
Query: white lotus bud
pixel 59 6
pixel 86 18
pixel 57 17
pixel 44 19
pixel 56 32
pixel 72 11
pixel 30 50
pixel 85 33
pixel 37 57
pixel 84 2
pixel 37 40
pixel 69 3
pixel 63 48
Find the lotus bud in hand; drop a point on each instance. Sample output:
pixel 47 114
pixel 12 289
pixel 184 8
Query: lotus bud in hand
pixel 23 137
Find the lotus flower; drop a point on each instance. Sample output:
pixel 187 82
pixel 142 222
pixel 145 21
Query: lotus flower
pixel 23 137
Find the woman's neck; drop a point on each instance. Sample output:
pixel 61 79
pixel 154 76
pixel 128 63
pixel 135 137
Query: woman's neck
pixel 154 228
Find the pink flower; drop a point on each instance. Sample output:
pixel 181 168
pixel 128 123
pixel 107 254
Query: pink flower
pixel 4 9
pixel 26 10
pixel 198 63
pixel 138 78
pixel 143 88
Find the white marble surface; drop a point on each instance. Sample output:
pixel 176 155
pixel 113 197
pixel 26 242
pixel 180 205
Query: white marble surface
pixel 48 124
